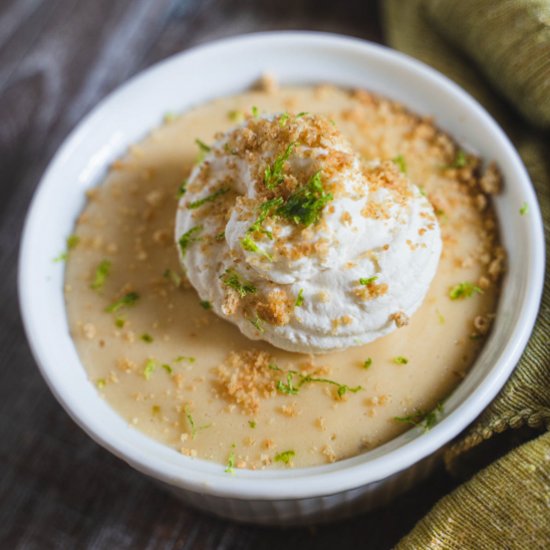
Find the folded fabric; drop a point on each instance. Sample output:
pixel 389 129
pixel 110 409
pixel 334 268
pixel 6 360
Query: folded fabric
pixel 489 510
pixel 477 42
pixel 509 40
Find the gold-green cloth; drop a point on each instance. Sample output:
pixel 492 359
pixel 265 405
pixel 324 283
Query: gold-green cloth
pixel 499 51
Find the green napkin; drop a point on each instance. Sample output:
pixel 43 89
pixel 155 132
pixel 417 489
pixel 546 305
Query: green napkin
pixel 499 51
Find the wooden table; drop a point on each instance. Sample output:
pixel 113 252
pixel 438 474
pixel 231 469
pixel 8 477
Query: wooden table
pixel 58 489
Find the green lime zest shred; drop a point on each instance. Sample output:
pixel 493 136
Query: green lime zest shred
pixel 231 461
pixel 460 160
pixel 257 324
pixel 524 209
pixel 191 422
pixel 181 189
pixel 128 300
pixel 401 163
pixel 273 174
pixel 290 387
pixel 304 206
pixel 149 369
pixel 101 273
pixel 209 198
pixel 188 238
pixel 235 116
pixel 172 276
pixel 185 358
pixel 264 211
pixel 202 146
pixel 72 241
pixel 242 287
pixel 283 119
pixel 425 420
pixel 203 150
pixel 464 290
pixel 285 456
pixel 62 257
pixel 249 244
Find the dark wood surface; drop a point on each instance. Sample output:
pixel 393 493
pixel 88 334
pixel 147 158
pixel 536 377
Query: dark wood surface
pixel 58 489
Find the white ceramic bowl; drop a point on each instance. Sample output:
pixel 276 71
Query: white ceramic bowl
pixel 228 67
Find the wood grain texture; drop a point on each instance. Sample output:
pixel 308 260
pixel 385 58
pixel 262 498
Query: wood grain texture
pixel 58 489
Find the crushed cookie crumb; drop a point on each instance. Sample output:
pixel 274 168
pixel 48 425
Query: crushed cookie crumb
pixel 482 323
pixel 400 318
pixel 89 331
pixel 188 452
pixel 497 265
pixel 244 379
pixel 480 202
pixel 154 198
pixel 484 282
pixel 370 291
pixel 323 297
pixel 329 453
pixel 491 180
pixel 346 218
pixel 344 320
pixel 268 84
pixel 125 365
pixel 275 308
pixel 290 410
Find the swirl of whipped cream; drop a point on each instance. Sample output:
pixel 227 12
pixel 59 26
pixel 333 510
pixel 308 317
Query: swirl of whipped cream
pixel 290 236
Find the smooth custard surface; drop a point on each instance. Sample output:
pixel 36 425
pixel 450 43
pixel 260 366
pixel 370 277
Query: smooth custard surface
pixel 191 380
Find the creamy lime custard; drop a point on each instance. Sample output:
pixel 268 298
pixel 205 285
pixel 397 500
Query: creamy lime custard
pixel 175 369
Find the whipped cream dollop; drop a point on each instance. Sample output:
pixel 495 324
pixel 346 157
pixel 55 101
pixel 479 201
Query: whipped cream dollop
pixel 289 235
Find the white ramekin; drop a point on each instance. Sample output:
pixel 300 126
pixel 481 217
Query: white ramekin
pixel 227 67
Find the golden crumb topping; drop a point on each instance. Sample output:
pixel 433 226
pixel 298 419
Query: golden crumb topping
pixel 275 308
pixel 245 378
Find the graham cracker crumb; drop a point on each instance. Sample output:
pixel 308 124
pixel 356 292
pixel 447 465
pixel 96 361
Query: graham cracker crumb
pixel 125 365
pixel 276 308
pixel 268 84
pixel 89 331
pixel 329 453
pixel 245 378
pixel 491 181
pixel 482 324
pixel 400 318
